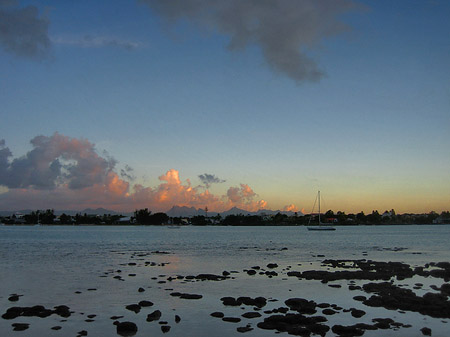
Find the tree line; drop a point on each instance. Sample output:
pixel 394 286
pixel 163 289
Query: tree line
pixel 146 217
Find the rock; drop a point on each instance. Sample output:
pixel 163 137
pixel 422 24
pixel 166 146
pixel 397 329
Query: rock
pixel 295 324
pixel 126 328
pixel 145 303
pixel 115 317
pixel 210 277
pixel 134 307
pixel 231 319
pixel 329 311
pixel 141 290
pixel 251 272
pixel 154 316
pixel 272 265
pixel 301 305
pixel 56 327
pixel 357 313
pixel 392 297
pixel 165 328
pixel 251 314
pixel 13 298
pixel 82 333
pixel 347 331
pixel 177 319
pixel 243 329
pixel 426 331
pixel 186 296
pixel 217 314
pixel 37 311
pixel 20 326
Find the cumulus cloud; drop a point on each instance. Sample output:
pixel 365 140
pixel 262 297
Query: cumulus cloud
pixel 67 173
pixel 284 30
pixel 22 31
pixel 53 161
pixel 89 41
pixel 244 197
pixel 209 179
pixel 290 208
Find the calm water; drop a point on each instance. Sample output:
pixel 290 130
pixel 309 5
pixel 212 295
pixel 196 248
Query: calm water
pixel 47 265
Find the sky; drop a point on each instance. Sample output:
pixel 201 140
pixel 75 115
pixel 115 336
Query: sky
pixel 255 104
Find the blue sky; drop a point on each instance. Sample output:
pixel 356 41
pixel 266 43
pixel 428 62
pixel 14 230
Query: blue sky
pixel 372 133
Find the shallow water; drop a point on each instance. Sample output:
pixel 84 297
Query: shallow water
pixel 47 265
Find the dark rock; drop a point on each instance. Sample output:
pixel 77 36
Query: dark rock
pixel 360 298
pixel 141 290
pixel 177 319
pixel 210 277
pixel 145 303
pixel 301 305
pixel 62 310
pixel 323 305
pixel 217 314
pixel 191 296
pixel 154 316
pixel 115 317
pixel 225 273
pixel 335 285
pixel 186 296
pixel 126 328
pixel 393 297
pixel 329 312
pixel 13 298
pixel 243 329
pixel 56 327
pixel 20 326
pixel 347 331
pixel 37 311
pixel 295 324
pixel 251 272
pixel 134 307
pixel 82 333
pixel 165 328
pixel 251 314
pixel 257 301
pixel 231 319
pixel 357 313
pixel 426 331
pixel 272 265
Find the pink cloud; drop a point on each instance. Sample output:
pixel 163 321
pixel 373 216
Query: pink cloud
pixel 67 173
pixel 290 208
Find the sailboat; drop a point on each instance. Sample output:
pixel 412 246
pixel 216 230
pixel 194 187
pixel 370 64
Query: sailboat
pixel 320 226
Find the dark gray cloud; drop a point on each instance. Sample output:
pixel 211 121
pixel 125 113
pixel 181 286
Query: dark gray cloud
pixel 90 41
pixel 22 31
pixel 127 173
pixel 208 179
pixel 52 161
pixel 285 30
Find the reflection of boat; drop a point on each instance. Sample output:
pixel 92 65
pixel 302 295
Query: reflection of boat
pixel 173 226
pixel 320 226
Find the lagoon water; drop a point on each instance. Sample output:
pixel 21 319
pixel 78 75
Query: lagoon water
pixel 57 265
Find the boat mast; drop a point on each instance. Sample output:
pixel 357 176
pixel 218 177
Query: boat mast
pixel 318 195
